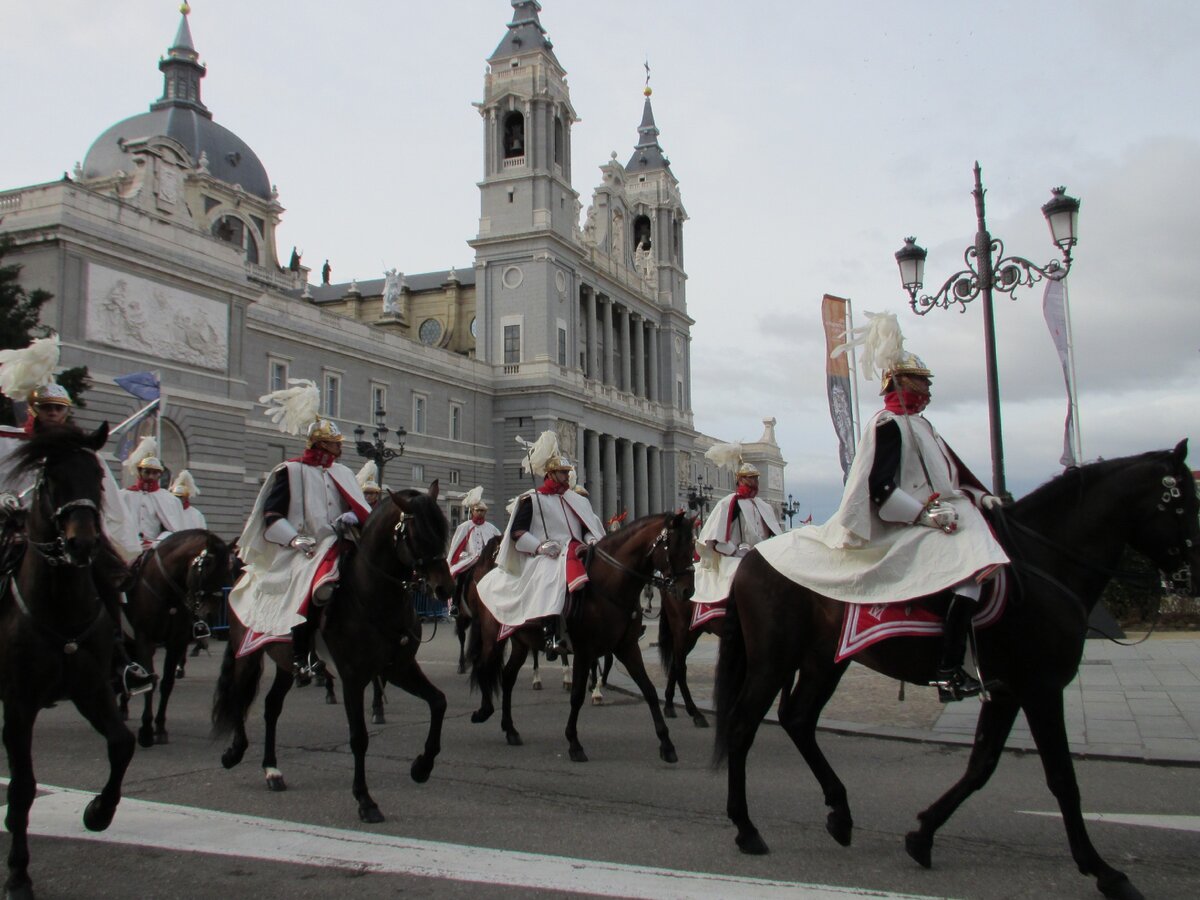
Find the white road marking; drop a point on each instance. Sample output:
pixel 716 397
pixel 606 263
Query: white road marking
pixel 57 811
pixel 1175 823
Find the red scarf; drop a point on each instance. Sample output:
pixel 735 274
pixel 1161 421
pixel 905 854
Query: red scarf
pixel 905 403
pixel 746 492
pixel 314 457
pixel 185 501
pixel 146 485
pixel 550 486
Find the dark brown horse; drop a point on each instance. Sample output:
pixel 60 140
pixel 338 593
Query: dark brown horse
pixel 371 629
pixel 56 639
pixel 1063 539
pixel 175 584
pixel 607 618
pixel 677 639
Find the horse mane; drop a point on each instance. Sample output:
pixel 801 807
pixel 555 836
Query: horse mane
pixel 51 445
pixel 1070 483
pixel 616 539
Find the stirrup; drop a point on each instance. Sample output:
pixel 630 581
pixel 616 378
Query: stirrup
pixel 200 630
pixel 956 684
pixel 322 595
pixel 301 675
pixel 136 680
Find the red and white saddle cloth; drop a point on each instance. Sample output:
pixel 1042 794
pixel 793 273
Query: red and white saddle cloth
pixel 866 624
pixel 706 612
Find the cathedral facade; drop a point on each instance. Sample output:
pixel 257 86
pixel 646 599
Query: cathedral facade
pixel 160 252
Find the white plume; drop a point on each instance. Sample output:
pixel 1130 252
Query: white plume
pixel 146 448
pixel 294 408
pixel 187 483
pixel 473 496
pixel 29 367
pixel 511 505
pixel 882 343
pixel 726 456
pixel 367 474
pixel 539 453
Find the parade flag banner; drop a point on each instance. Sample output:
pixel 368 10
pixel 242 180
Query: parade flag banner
pixel 837 377
pixel 1054 308
pixel 143 385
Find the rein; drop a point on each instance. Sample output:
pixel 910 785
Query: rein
pixel 663 581
pixel 55 551
pixel 190 596
pixel 69 645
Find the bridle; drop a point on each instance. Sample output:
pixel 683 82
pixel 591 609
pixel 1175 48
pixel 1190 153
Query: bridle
pixel 192 590
pixel 1171 502
pixel 403 544
pixel 55 551
pixel 664 577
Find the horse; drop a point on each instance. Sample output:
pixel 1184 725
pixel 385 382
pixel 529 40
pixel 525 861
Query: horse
pixel 56 638
pixel 676 639
pixel 174 584
pixel 606 618
pixel 371 629
pixel 1062 539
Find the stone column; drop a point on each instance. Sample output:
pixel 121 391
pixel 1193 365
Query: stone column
pixel 626 356
pixel 608 341
pixel 593 482
pixel 628 494
pixel 641 491
pixel 608 451
pixel 639 357
pixel 593 353
pixel 654 480
pixel 655 335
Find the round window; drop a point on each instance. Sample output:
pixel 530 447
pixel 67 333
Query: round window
pixel 430 331
pixel 473 334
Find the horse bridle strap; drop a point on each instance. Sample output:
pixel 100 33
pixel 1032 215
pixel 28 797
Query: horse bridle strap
pixel 69 645
pixel 663 582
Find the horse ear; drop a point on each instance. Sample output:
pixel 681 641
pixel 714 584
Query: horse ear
pixel 1181 450
pixel 99 437
pixel 433 489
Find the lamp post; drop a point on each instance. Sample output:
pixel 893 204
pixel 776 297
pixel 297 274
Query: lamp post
pixel 699 496
pixel 790 509
pixel 987 270
pixel 377 449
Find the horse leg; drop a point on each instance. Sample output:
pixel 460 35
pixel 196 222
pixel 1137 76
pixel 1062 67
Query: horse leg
pixel 412 679
pixel 1044 712
pixel 996 719
pixel 352 698
pixel 566 670
pixel 100 709
pixel 669 695
pixel 460 629
pixel 630 655
pixel 684 647
pixel 583 664
pixel 330 693
pixel 537 675
pixel 173 655
pixel 516 658
pixel 745 715
pixel 272 707
pixel 377 701
pixel 799 711
pixel 594 684
pixel 22 787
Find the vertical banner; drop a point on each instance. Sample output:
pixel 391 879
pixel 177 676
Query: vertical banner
pixel 1054 308
pixel 834 316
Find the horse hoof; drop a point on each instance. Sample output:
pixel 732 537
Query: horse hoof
pixel 23 891
pixel 179 672
pixel 537 686
pixel 752 844
pixel 597 701
pixel 145 738
pixel 330 700
pixel 378 719
pixel 462 669
pixel 1119 888
pixel 578 755
pixel 481 716
pixel 668 712
pixel 231 757
pixel 513 738
pixel 840 827
pixel 370 814
pixel 420 771
pixel 97 816
pixel 667 754
pixel 162 738
pixel 699 721
pixel 275 783
pixel 919 848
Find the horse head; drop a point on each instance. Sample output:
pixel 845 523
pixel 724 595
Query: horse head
pixel 673 555
pixel 64 515
pixel 656 548
pixel 419 534
pixel 1167 521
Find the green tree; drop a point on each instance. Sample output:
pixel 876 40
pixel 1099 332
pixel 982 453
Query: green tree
pixel 20 323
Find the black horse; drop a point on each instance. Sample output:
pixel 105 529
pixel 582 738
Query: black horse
pixel 56 639
pixel 371 629
pixel 1063 539
pixel 174 584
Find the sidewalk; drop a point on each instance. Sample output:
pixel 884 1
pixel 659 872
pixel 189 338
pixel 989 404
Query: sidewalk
pixel 1139 703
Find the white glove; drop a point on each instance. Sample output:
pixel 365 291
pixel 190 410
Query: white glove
pixel 305 544
pixel 550 549
pixel 991 501
pixel 591 539
pixel 742 550
pixel 346 520
pixel 9 503
pixel 939 515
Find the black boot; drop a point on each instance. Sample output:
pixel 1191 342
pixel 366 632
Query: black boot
pixel 953 681
pixel 557 643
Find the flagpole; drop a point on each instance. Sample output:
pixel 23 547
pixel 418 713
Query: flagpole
pixel 135 418
pixel 158 418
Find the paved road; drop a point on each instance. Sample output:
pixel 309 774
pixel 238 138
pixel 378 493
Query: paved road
pixel 526 821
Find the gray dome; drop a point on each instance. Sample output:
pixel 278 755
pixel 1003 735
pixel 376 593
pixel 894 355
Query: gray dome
pixel 230 159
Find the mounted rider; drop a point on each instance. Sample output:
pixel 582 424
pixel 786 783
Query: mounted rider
pixel 737 523
pixel 539 562
pixel 909 525
pixel 468 542
pixel 366 478
pixel 156 511
pixel 302 522
pixel 183 488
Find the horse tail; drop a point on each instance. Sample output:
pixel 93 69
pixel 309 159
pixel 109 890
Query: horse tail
pixel 485 670
pixel 666 641
pixel 236 689
pixel 730 677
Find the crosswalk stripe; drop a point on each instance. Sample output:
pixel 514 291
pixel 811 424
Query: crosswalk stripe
pixel 1175 823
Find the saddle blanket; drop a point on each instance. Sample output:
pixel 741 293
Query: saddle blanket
pixel 866 624
pixel 706 612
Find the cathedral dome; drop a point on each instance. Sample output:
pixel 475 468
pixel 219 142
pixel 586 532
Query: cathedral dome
pixel 181 115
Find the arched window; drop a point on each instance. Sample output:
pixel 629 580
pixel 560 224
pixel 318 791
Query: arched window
pixel 558 141
pixel 641 232
pixel 514 135
pixel 234 231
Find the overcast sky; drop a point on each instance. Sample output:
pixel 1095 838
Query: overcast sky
pixel 808 139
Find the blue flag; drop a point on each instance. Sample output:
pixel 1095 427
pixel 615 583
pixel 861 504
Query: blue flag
pixel 143 385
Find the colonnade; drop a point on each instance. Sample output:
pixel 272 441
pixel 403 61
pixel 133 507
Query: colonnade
pixel 621 346
pixel 621 475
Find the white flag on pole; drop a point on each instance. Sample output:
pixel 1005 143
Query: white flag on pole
pixel 1054 308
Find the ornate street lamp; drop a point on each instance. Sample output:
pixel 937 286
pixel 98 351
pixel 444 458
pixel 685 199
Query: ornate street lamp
pixel 377 449
pixel 699 496
pixel 987 270
pixel 790 509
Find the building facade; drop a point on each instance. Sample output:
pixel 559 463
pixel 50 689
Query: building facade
pixel 161 255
